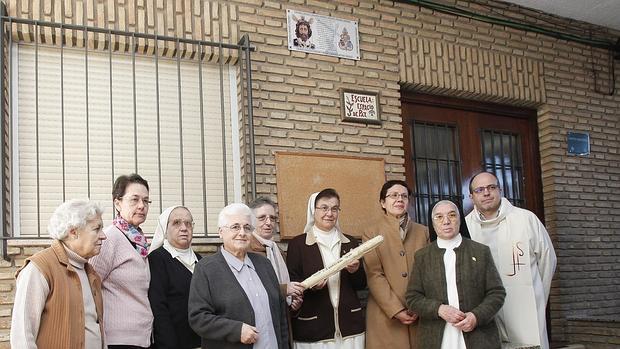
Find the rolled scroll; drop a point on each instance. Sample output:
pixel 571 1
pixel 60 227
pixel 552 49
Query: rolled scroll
pixel 341 263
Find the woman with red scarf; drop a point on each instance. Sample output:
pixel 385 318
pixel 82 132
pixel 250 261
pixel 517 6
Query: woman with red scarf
pixel 124 268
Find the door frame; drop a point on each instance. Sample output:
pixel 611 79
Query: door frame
pixel 532 183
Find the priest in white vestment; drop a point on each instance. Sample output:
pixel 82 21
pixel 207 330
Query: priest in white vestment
pixel 524 257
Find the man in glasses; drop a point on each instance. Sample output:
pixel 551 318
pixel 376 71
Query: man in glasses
pixel 524 257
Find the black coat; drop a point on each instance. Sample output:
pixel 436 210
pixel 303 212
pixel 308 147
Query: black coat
pixel 315 319
pixel 168 295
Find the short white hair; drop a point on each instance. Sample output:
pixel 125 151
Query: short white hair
pixel 72 214
pixel 235 209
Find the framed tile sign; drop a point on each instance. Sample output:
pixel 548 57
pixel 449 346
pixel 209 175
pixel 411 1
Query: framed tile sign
pixel 360 106
pixel 312 33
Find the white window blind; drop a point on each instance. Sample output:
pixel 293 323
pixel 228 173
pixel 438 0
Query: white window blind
pixel 110 139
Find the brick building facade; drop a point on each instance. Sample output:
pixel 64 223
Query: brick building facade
pixel 407 49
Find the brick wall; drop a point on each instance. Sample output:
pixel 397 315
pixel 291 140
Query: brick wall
pixel 297 108
pixel 17 252
pixel 594 333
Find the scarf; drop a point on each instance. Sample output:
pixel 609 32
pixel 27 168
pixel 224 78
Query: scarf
pixel 275 257
pixel 452 336
pixel 402 223
pixel 133 234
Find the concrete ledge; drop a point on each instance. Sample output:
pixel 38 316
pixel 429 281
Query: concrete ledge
pixel 29 242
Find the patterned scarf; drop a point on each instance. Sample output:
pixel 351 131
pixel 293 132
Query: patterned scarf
pixel 403 226
pixel 134 234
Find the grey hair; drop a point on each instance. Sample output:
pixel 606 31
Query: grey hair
pixel 235 209
pixel 260 202
pixel 456 209
pixel 72 214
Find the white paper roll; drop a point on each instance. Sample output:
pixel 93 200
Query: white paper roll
pixel 341 263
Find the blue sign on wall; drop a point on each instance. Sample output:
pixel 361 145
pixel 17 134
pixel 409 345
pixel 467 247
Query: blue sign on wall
pixel 578 143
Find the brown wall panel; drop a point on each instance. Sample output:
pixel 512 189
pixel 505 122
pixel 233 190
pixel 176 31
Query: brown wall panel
pixel 357 180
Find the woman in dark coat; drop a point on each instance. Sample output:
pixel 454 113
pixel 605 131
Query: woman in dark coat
pixel 172 262
pixel 331 315
pixel 455 288
pixel 234 298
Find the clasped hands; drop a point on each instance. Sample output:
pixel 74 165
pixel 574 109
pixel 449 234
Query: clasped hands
pixel 406 317
pixel 465 322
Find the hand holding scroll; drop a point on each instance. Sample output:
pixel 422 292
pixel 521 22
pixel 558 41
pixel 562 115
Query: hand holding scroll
pixel 294 289
pixel 348 260
pixel 320 285
pixel 353 266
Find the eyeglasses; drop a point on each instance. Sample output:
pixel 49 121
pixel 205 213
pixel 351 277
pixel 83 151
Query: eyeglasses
pixel 325 209
pixel 452 216
pixel 396 196
pixel 264 218
pixel 134 200
pixel 177 223
pixel 237 228
pixel 490 188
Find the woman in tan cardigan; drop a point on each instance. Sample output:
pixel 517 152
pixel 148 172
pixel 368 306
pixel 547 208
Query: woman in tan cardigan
pixel 58 300
pixel 388 322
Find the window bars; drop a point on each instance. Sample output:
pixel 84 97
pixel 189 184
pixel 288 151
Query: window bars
pixel 437 166
pixel 55 50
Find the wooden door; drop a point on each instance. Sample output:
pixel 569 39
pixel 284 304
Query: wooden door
pixel 449 140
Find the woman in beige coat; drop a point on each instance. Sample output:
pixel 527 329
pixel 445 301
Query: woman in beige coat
pixel 388 322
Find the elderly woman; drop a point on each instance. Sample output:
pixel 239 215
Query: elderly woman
pixel 58 300
pixel 462 225
pixel 455 312
pixel 265 212
pixel 172 263
pixel 124 269
pixel 389 324
pixel 331 315
pixel 234 298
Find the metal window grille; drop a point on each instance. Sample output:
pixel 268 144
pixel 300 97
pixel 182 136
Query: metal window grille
pixel 437 166
pixel 501 154
pixel 163 73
